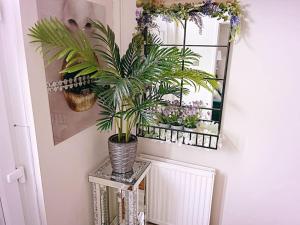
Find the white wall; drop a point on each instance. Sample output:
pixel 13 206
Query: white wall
pixel 258 167
pixel 257 181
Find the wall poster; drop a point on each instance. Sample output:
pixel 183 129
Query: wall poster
pixel 73 106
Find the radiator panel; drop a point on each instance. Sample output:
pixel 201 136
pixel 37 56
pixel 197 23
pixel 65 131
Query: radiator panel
pixel 179 193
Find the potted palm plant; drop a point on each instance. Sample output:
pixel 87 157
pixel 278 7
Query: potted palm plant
pixel 128 88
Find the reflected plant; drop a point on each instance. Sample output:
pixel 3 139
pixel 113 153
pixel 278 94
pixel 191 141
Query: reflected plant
pixel 176 114
pixel 190 117
pixel 197 104
pixel 163 115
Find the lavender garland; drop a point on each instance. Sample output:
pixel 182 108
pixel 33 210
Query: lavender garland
pixel 231 11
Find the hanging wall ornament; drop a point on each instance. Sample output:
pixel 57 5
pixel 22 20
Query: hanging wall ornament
pixel 148 10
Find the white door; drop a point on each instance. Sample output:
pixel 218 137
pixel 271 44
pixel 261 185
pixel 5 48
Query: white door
pixel 21 202
pixel 11 212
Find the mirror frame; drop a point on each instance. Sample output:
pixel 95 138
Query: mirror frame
pixel 182 12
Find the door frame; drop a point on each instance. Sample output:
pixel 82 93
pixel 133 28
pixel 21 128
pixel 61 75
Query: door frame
pixel 20 129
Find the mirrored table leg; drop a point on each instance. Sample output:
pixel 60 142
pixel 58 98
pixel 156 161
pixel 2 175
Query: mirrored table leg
pixel 130 207
pixel 104 205
pixel 97 205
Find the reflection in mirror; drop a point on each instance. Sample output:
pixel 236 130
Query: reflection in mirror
pixel 168 31
pixel 213 32
pixel 213 40
pixel 210 43
pixel 206 28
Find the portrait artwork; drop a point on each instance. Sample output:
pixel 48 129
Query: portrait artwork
pixel 73 105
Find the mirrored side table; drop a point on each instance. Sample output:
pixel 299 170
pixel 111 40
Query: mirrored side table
pixel 120 199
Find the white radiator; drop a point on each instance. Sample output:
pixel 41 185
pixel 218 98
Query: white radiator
pixel 179 193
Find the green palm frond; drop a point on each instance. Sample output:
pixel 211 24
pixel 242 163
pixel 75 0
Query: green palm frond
pixel 58 42
pixel 132 56
pixel 158 60
pixel 198 78
pixel 111 51
pixel 189 57
pixel 140 110
pixel 107 118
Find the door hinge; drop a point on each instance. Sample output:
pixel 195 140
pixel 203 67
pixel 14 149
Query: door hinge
pixel 17 175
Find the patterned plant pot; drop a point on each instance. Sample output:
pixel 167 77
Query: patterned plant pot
pixel 122 155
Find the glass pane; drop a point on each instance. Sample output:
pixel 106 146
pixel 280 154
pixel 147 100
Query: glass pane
pixel 212 60
pixel 142 201
pixel 113 205
pixel 213 32
pixel 170 33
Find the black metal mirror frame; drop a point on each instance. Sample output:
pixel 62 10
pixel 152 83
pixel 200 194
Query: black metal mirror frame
pixel 204 140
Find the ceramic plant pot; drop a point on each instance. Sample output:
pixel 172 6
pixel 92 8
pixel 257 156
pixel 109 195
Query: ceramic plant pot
pixel 122 155
pixel 177 127
pixel 164 125
pixel 190 129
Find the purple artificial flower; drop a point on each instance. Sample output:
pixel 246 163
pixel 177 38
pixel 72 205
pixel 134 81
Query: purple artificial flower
pixel 176 103
pixel 197 19
pixel 235 21
pixel 166 19
pixel 138 13
pixel 205 10
pixel 197 104
pixel 166 112
pixel 209 8
pixel 190 112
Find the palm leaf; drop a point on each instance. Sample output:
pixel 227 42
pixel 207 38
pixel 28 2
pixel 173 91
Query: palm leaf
pixel 111 54
pixel 132 56
pixel 57 42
